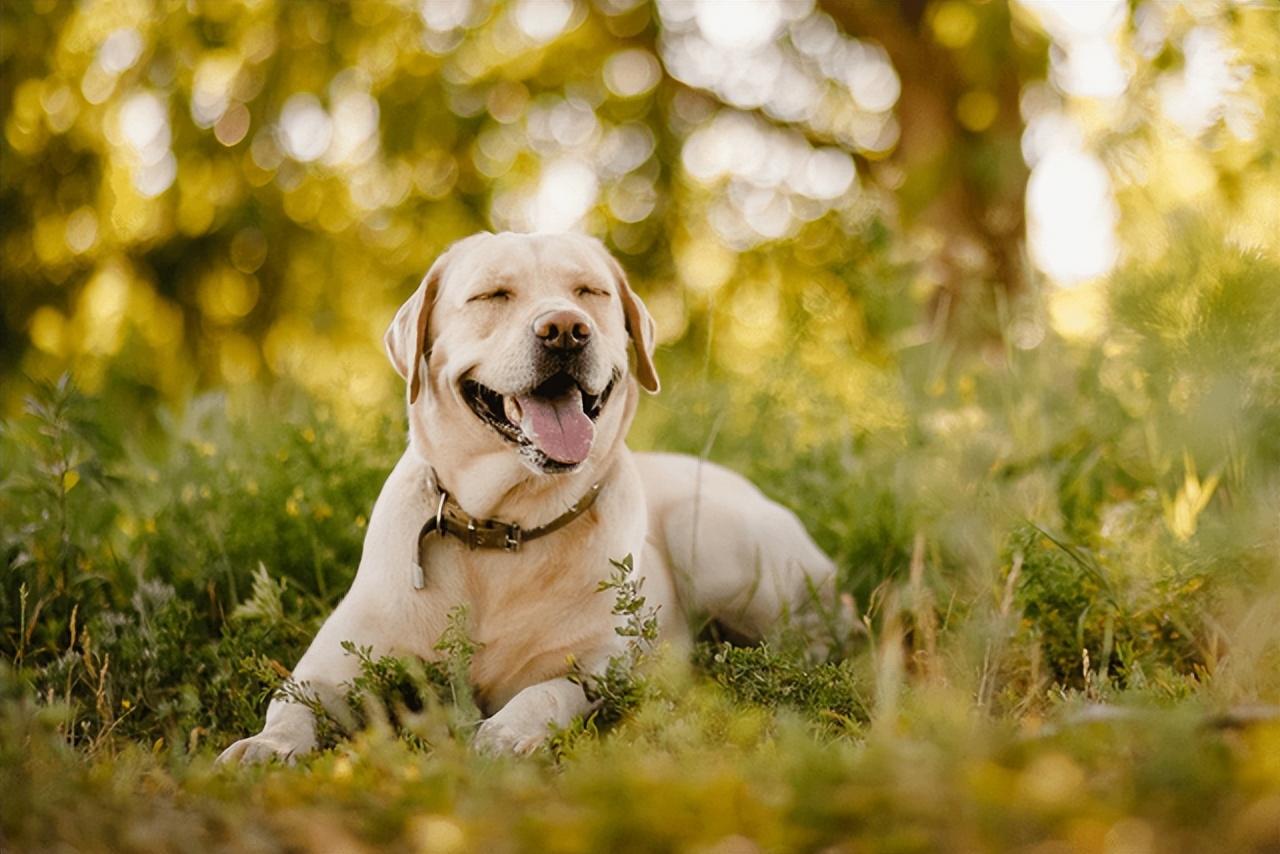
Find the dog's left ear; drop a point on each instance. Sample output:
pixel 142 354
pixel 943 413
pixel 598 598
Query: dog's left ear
pixel 406 338
pixel 640 326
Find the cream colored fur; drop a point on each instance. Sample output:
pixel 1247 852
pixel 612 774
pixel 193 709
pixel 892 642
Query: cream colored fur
pixel 704 540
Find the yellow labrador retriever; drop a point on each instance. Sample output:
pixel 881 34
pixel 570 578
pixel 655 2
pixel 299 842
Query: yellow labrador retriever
pixel 517 489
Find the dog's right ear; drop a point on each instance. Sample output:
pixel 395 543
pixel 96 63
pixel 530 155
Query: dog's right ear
pixel 406 338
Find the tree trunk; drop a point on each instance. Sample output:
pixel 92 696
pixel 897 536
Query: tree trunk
pixel 967 186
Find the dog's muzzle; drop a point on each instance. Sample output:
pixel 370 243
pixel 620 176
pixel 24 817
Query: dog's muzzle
pixel 553 422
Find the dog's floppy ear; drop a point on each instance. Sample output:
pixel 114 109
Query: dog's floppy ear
pixel 406 338
pixel 641 328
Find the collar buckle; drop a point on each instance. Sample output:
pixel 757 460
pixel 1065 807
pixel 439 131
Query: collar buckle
pixel 434 525
pixel 513 538
pixel 444 496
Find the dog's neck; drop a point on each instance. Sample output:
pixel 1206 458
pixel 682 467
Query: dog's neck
pixel 493 483
pixel 489 487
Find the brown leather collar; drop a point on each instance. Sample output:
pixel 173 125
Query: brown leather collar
pixel 489 533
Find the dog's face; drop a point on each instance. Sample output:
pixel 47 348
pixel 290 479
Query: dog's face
pixel 519 343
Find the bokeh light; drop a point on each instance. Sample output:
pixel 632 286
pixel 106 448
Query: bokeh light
pixel 258 185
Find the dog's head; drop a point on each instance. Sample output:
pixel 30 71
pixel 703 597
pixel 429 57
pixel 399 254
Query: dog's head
pixel 519 343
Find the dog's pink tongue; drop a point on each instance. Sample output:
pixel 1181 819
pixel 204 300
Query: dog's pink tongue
pixel 558 426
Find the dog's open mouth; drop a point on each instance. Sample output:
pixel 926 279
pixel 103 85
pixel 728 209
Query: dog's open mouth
pixel 555 419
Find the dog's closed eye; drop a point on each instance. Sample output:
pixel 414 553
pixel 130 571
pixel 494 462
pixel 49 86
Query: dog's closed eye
pixel 588 291
pixel 499 295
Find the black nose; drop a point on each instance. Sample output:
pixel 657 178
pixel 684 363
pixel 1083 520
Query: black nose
pixel 562 330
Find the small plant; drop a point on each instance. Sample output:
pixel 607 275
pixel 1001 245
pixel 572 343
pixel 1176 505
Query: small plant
pixel 457 647
pixel 620 686
pixel 392 691
pixel 830 692
pixel 640 623
pixel 56 514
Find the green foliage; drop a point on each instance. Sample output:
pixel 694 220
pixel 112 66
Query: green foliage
pixel 419 701
pixel 831 693
pixel 457 648
pixel 1201 334
pixel 126 566
pixel 1090 629
pixel 640 624
pixel 47 523
pixel 622 685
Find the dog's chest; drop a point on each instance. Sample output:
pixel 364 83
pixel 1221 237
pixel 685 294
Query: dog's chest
pixel 529 614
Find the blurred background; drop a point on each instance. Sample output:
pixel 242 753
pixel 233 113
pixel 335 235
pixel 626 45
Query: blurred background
pixel 225 193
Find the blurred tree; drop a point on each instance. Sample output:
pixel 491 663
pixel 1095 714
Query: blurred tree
pixel 959 167
pixel 231 191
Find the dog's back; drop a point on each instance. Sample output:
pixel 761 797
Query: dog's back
pixel 735 556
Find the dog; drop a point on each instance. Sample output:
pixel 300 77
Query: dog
pixel 517 490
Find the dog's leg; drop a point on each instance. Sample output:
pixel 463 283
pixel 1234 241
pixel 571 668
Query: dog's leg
pixel 525 721
pixel 290 729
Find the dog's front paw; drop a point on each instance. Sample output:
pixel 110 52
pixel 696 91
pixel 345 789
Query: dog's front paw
pixel 511 735
pixel 264 747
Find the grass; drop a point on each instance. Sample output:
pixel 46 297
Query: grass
pixel 1066 561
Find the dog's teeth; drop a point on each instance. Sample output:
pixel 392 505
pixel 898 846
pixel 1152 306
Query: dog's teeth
pixel 511 408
